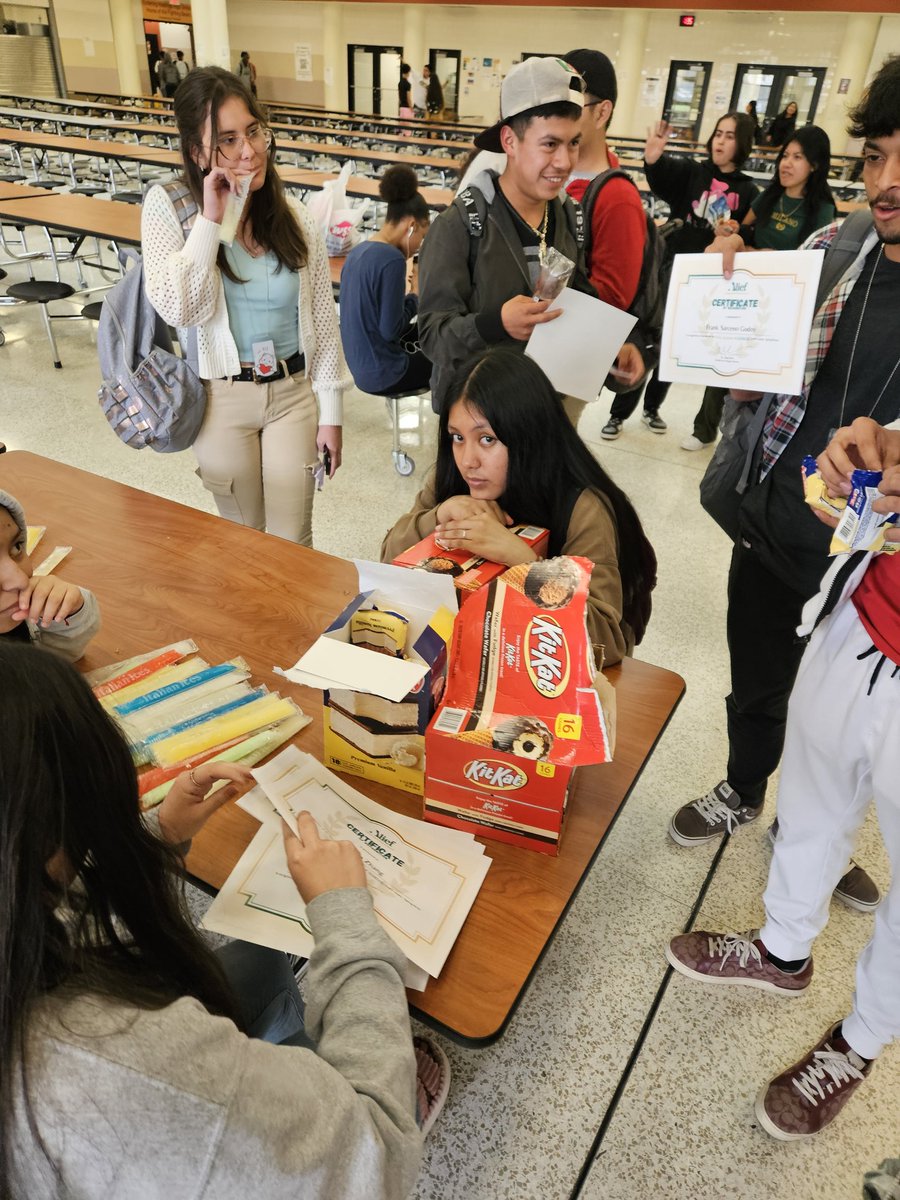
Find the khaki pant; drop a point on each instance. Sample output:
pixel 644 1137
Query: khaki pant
pixel 254 451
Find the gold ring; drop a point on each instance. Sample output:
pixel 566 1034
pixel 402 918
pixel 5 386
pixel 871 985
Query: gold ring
pixel 194 780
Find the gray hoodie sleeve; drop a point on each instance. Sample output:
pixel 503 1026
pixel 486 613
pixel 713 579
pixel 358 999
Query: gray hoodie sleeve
pixel 71 639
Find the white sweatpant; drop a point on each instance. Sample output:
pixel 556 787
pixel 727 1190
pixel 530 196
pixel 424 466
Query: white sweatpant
pixel 254 451
pixel 842 749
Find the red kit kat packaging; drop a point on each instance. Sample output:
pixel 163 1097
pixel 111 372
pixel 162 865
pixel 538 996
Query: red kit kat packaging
pixel 520 711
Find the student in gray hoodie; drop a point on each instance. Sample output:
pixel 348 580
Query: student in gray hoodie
pixel 125 1069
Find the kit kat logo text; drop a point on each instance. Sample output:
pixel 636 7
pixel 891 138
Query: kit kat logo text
pixel 546 656
pixel 499 776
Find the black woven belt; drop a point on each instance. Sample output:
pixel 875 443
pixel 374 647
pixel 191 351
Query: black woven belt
pixel 294 365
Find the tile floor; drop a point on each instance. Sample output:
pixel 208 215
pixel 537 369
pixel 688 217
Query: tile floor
pixel 523 1116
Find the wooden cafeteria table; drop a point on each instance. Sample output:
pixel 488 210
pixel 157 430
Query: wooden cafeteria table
pixel 162 572
pixel 84 215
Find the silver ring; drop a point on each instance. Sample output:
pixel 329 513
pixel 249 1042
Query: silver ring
pixel 194 780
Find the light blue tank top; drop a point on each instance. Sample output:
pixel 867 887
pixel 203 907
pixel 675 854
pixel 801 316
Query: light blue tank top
pixel 264 305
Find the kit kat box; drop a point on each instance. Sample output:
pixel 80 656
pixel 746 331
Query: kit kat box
pixel 520 711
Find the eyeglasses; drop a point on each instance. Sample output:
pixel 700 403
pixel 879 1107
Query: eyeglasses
pixel 231 145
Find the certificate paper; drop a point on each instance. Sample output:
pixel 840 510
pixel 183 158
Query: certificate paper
pixel 576 350
pixel 423 882
pixel 749 332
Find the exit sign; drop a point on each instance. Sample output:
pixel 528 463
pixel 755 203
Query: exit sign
pixel 686 20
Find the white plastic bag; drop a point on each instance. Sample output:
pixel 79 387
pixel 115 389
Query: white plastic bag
pixel 330 210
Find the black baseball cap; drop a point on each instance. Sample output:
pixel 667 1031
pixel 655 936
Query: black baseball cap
pixel 597 71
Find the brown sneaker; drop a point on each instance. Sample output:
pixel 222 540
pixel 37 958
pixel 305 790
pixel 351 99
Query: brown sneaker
pixel 734 958
pixel 432 1081
pixel 858 890
pixel 718 812
pixel 809 1095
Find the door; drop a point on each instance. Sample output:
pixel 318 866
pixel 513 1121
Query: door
pixel 775 87
pixel 686 97
pixel 373 73
pixel 445 65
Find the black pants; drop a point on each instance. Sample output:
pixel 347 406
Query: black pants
pixel 626 402
pixel 765 652
pixel 418 366
pixel 706 422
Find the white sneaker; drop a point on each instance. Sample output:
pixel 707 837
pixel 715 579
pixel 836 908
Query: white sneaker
pixel 694 443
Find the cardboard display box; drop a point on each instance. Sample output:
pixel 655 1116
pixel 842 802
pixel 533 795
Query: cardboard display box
pixel 377 706
pixel 520 711
pixel 468 571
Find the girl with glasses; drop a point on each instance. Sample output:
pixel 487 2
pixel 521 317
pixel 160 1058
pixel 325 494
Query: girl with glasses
pixel 268 345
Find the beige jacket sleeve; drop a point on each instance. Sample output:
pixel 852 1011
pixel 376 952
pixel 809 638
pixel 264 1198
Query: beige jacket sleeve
pixel 417 524
pixel 592 534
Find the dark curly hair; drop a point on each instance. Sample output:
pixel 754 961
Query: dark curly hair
pixel 878 112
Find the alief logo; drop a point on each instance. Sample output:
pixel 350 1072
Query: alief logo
pixel 500 776
pixel 547 656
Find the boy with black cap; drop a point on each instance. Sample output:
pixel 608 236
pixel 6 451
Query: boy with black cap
pixel 481 259
pixel 618 223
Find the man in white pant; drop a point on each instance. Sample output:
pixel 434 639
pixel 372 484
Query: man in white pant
pixel 842 749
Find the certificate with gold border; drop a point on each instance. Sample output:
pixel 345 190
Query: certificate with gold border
pixel 749 332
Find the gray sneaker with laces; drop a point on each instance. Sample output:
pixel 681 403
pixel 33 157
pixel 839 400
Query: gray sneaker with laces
pixel 719 811
pixel 611 429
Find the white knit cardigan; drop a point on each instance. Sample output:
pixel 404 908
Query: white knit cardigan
pixel 184 285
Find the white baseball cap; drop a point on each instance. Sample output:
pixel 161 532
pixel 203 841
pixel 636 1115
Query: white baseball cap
pixel 531 84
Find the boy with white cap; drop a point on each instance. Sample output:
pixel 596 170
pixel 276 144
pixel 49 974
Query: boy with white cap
pixel 481 259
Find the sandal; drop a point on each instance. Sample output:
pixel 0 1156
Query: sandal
pixel 432 1081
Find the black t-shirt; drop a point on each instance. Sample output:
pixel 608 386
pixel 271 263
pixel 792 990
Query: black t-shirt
pixel 405 88
pixel 774 517
pixel 531 241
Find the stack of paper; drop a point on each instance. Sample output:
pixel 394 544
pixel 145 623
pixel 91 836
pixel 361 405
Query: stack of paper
pixel 423 878
pixel 178 711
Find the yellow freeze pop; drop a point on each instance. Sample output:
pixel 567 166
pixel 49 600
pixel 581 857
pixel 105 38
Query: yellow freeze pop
pixel 33 537
pixel 252 717
pixel 249 752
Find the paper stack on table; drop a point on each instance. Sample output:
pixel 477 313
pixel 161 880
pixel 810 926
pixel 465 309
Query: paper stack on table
pixel 423 878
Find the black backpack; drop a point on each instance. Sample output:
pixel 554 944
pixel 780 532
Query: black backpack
pixel 473 206
pixel 649 300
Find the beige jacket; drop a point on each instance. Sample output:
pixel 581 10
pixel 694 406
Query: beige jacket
pixel 591 534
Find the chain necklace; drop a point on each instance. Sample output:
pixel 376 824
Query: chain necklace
pixel 853 351
pixel 781 218
pixel 541 230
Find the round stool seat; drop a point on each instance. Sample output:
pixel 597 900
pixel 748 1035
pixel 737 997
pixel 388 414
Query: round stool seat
pixel 91 312
pixel 2 273
pixel 128 197
pixel 41 291
pixel 87 190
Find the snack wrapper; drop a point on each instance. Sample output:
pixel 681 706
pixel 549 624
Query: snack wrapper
pixel 815 490
pixel 556 271
pixel 468 571
pixel 234 209
pixel 380 630
pixel 860 527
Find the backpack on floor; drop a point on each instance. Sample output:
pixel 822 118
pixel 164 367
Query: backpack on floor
pixel 648 304
pixel 150 395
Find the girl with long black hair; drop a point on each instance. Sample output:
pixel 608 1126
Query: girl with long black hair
pixel 126 1068
pixel 508 453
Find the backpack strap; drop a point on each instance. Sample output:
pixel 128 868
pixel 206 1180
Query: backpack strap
pixel 843 252
pixel 183 202
pixel 589 199
pixel 473 206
